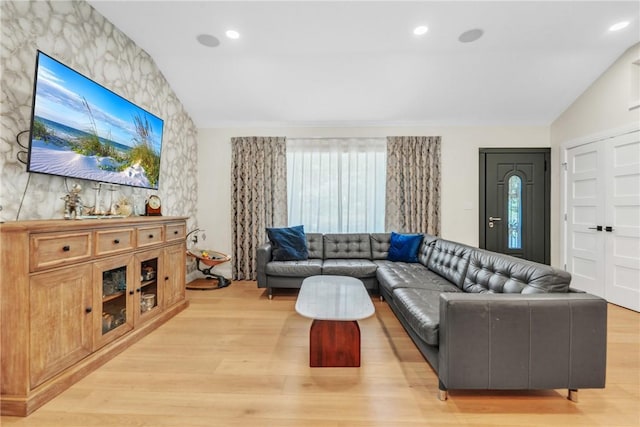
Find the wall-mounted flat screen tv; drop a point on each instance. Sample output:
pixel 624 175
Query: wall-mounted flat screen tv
pixel 80 129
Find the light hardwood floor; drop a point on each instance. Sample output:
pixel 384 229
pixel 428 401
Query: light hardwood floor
pixel 234 358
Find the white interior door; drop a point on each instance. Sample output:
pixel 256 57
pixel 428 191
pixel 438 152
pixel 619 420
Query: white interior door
pixel 603 218
pixel 585 212
pixel 622 215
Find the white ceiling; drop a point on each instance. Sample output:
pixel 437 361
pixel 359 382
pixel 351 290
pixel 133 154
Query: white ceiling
pixel 351 63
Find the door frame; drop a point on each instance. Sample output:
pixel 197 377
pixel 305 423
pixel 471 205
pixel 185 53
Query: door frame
pixel 482 241
pixel 564 152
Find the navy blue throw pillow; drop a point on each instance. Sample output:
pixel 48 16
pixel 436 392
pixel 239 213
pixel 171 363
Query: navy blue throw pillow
pixel 404 247
pixel 288 244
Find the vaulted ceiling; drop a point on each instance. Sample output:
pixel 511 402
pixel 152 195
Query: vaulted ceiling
pixel 324 63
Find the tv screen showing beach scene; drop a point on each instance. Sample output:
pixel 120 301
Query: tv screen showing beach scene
pixel 80 129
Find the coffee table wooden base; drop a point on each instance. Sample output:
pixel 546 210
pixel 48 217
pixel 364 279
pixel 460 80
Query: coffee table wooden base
pixel 334 343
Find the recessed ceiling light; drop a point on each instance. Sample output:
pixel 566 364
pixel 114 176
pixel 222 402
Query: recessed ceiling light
pixel 619 26
pixel 422 29
pixel 471 35
pixel 208 40
pixel 232 34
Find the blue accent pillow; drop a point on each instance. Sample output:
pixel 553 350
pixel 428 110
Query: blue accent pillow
pixel 288 244
pixel 404 247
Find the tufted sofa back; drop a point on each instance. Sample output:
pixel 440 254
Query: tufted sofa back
pixel 380 243
pixel 470 269
pixel 315 245
pixel 426 248
pixel 449 260
pixel 347 245
pixel 498 273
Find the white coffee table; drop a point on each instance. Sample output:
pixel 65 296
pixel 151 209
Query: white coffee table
pixel 335 303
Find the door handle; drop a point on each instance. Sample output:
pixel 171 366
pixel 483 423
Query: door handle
pixel 608 228
pixel 597 227
pixel 491 218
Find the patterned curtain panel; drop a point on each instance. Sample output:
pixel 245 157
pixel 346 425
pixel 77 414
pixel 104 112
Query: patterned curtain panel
pixel 413 184
pixel 258 197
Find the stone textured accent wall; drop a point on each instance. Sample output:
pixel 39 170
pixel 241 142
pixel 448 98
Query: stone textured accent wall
pixel 78 36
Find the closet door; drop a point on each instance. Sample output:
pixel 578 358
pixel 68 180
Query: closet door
pixel 603 218
pixel 622 215
pixel 585 212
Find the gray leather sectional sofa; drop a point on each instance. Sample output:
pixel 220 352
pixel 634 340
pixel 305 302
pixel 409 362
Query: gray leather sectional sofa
pixel 482 320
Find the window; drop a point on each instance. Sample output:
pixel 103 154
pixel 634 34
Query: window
pixel 337 185
pixel 515 212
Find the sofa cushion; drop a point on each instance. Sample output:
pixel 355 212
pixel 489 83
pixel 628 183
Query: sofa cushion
pixel 421 310
pixel 315 245
pixel 426 248
pixel 288 243
pixel 303 268
pixel 450 260
pixel 394 275
pixel 359 268
pixel 380 245
pixel 404 247
pixel 498 273
pixel 347 246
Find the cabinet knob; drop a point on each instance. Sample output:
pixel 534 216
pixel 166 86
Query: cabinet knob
pixel 151 236
pixel 116 241
pixel 138 289
pixel 88 310
pixel 131 292
pixel 175 232
pixel 66 248
pixel 166 277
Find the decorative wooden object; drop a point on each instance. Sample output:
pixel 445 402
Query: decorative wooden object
pixel 334 343
pixel 58 291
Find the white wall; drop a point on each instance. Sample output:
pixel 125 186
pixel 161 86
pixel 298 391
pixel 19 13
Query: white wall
pixel 603 107
pixel 460 171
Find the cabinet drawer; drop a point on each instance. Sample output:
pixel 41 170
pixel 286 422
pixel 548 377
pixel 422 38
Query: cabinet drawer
pixel 150 235
pixel 113 241
pixel 51 250
pixel 175 231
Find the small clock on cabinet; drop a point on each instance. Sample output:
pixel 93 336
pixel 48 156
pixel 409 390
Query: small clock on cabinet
pixel 153 206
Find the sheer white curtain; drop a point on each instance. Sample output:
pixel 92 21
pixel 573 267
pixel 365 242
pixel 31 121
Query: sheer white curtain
pixel 336 185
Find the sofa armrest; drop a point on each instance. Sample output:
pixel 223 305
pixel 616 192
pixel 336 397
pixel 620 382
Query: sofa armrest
pixel 263 256
pixel 514 341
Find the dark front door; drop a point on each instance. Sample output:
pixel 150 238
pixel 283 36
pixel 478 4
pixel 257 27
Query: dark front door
pixel 514 202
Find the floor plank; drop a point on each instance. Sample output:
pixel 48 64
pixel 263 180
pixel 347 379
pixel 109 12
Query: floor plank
pixel 235 358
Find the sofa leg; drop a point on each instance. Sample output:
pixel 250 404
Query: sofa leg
pixel 573 395
pixel 442 392
pixel 270 293
pixel 381 297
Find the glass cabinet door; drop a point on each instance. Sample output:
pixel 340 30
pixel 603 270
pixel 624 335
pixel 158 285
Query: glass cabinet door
pixel 113 299
pixel 148 292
